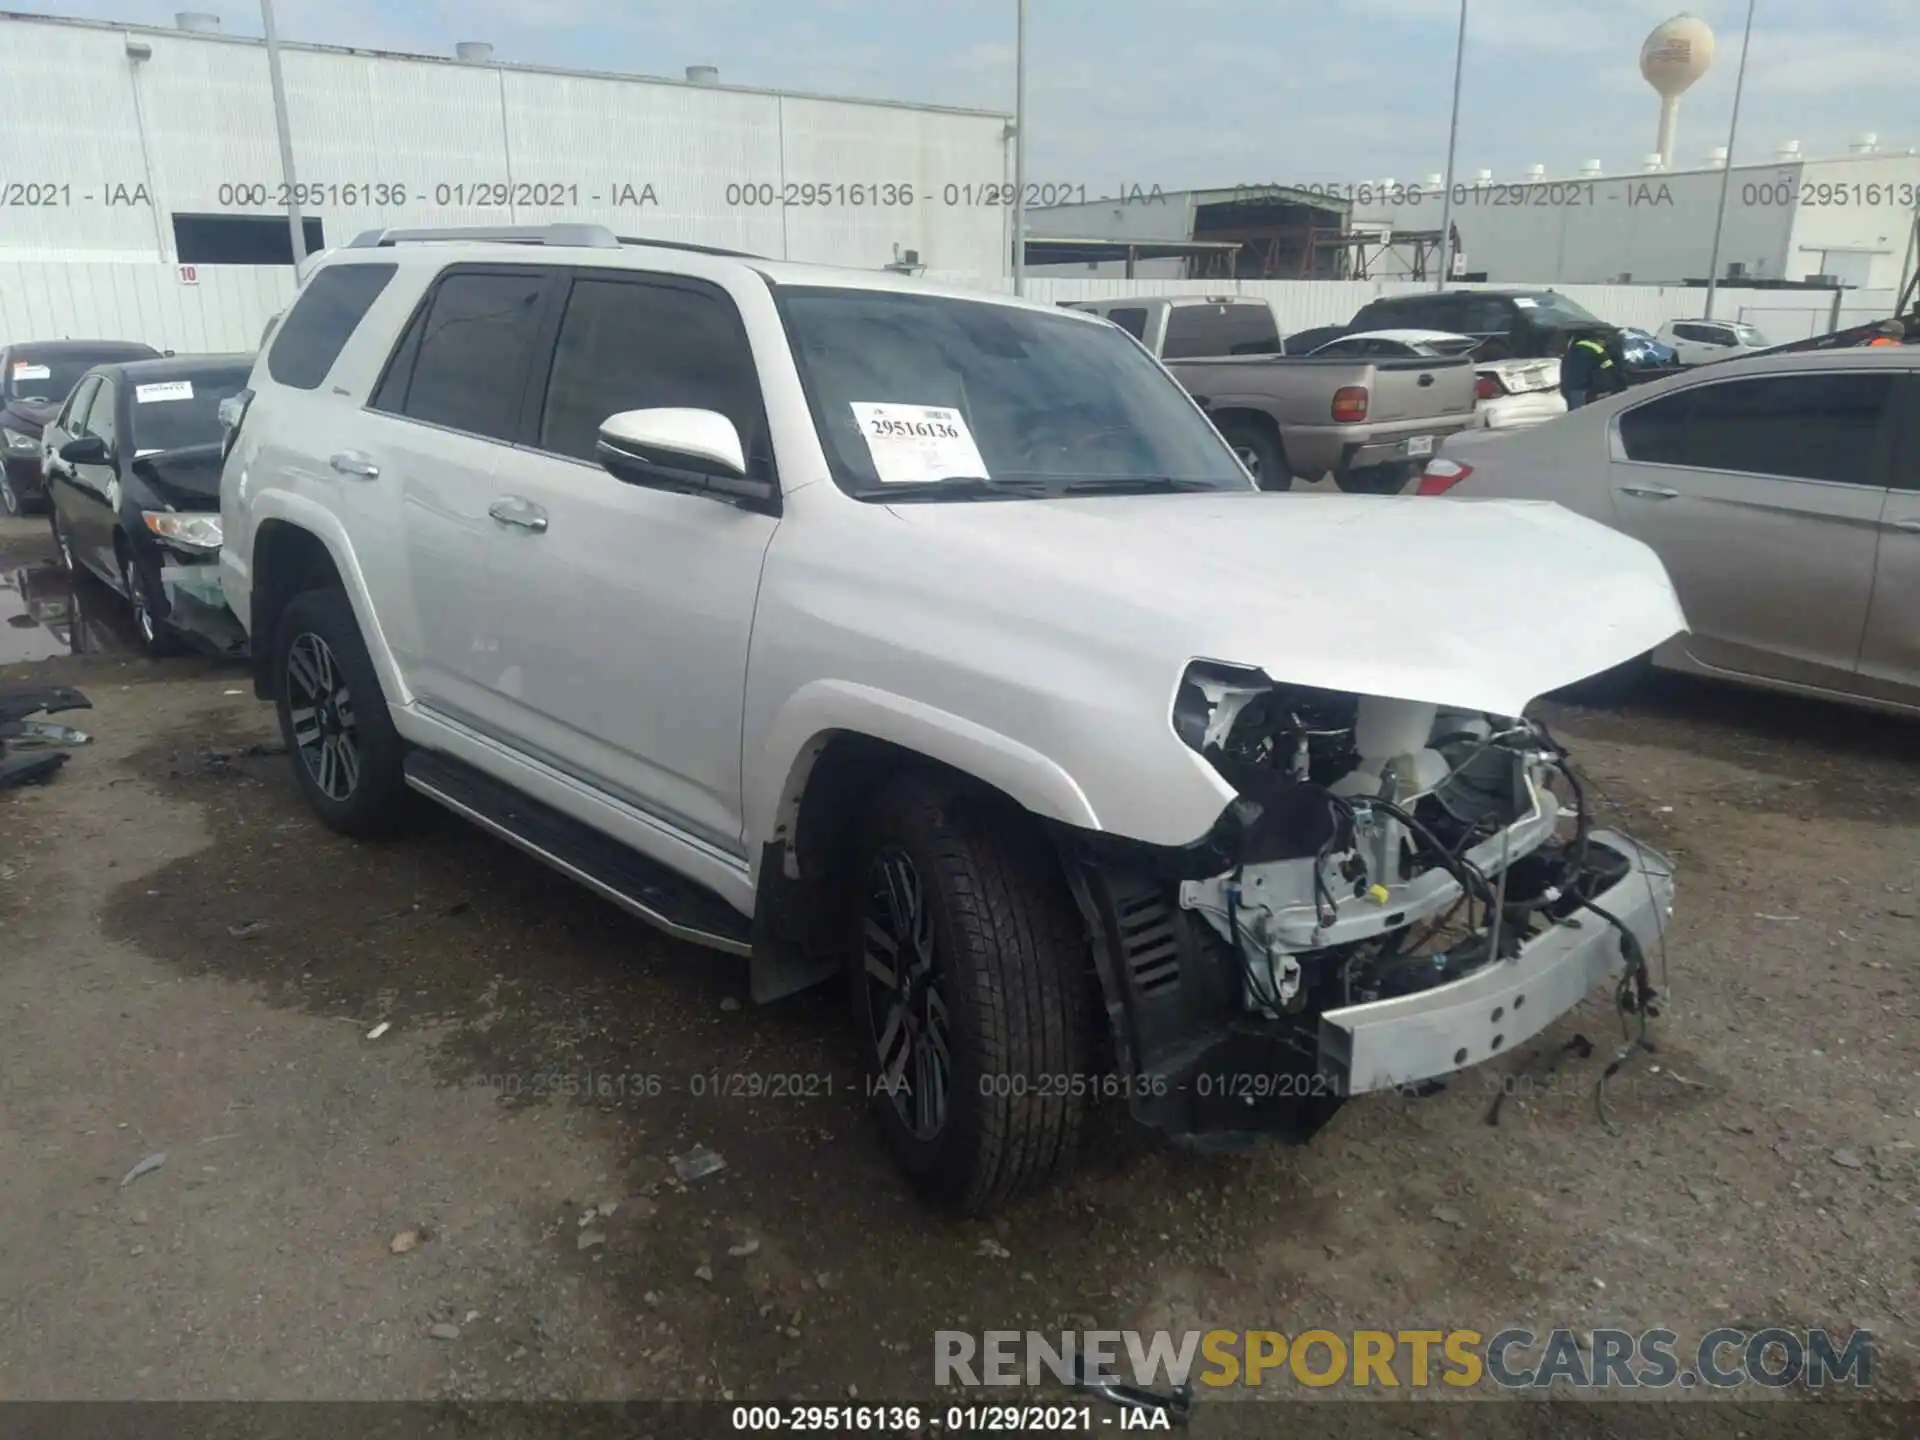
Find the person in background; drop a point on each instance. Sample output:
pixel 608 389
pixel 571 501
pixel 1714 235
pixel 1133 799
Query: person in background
pixel 1889 332
pixel 1589 369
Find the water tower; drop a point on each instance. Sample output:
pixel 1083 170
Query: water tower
pixel 1675 55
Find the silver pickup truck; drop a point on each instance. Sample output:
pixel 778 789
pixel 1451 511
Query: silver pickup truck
pixel 1369 423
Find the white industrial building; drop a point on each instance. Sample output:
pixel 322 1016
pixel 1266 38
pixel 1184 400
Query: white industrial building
pixel 1848 217
pixel 136 144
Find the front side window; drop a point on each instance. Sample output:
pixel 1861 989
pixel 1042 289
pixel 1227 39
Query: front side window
pixel 1048 403
pixel 472 351
pixel 334 301
pixel 640 345
pixel 101 419
pixel 73 414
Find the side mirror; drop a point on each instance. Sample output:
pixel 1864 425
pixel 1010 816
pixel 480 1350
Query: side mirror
pixel 672 449
pixel 84 450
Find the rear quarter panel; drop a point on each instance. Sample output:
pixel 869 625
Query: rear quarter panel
pixel 1564 460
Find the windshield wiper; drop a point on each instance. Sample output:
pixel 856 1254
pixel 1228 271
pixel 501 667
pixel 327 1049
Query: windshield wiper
pixel 960 487
pixel 1135 485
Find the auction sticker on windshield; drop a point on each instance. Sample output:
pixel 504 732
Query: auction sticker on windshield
pixel 163 390
pixel 27 370
pixel 912 443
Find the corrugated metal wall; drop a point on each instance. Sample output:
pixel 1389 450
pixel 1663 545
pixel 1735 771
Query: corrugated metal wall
pixel 393 140
pixel 228 306
pixel 225 310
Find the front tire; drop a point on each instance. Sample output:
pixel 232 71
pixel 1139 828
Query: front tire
pixel 10 502
pixel 155 638
pixel 333 716
pixel 970 986
pixel 1260 451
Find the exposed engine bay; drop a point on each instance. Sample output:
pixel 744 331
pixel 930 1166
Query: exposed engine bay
pixel 1399 890
pixel 1374 816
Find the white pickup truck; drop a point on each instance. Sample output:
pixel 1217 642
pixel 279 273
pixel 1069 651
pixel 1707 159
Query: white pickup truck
pixel 933 643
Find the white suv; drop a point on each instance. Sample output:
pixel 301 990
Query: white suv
pixel 934 640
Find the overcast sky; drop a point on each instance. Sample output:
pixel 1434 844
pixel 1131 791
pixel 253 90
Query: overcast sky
pixel 1215 92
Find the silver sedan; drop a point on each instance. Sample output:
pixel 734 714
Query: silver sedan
pixel 1783 494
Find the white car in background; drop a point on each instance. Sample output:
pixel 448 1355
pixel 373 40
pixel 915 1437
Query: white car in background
pixel 1508 393
pixel 1698 342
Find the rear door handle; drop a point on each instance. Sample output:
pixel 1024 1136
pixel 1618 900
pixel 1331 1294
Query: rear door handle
pixel 512 510
pixel 1912 527
pixel 352 462
pixel 1650 492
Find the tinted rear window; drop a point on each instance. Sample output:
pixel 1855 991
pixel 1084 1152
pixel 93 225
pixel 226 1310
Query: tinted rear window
pixel 475 347
pixel 1802 427
pixel 315 331
pixel 1195 331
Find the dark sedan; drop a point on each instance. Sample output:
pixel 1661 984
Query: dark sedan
pixel 34 380
pixel 133 468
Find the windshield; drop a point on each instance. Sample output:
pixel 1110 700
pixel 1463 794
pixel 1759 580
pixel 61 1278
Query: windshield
pixel 1452 345
pixel 1747 335
pixel 52 377
pixel 1557 310
pixel 175 413
pixel 918 388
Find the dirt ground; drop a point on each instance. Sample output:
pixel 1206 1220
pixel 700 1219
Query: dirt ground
pixel 190 964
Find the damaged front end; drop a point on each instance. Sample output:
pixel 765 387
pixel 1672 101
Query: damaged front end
pixel 1399 891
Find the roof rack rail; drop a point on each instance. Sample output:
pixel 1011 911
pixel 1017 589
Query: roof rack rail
pixel 596 237
pixel 690 246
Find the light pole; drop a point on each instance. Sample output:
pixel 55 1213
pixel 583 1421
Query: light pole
pixel 294 224
pixel 1453 141
pixel 1726 173
pixel 1020 149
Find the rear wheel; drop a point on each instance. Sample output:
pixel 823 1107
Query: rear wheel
pixel 1260 451
pixel 969 983
pixel 346 754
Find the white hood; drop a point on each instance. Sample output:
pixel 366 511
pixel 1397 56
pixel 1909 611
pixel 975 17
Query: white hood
pixel 1484 605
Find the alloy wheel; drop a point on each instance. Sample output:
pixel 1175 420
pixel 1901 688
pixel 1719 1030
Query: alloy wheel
pixel 9 500
pixel 906 1012
pixel 322 713
pixel 1250 458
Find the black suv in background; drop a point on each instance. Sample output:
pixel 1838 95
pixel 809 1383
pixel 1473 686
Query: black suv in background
pixel 35 380
pixel 1510 324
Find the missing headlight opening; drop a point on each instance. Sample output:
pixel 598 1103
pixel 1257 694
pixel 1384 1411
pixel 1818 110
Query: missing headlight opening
pixel 1399 890
pixel 1368 825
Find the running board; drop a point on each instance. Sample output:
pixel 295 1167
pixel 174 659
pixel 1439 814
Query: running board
pixel 634 882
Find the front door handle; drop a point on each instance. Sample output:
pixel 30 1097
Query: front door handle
pixel 512 510
pixel 352 462
pixel 1912 527
pixel 1650 492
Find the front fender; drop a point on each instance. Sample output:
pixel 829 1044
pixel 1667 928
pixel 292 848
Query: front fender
pixel 777 775
pixel 288 508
